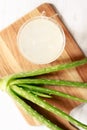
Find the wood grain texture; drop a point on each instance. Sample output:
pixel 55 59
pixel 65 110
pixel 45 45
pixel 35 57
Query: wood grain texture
pixel 11 61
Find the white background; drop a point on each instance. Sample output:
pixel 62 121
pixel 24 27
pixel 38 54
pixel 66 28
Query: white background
pixel 73 13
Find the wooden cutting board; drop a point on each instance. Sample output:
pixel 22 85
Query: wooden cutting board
pixel 11 61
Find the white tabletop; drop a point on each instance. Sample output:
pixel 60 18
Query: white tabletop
pixel 73 13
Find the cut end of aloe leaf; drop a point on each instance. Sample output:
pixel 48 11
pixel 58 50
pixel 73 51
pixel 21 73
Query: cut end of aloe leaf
pixel 2 85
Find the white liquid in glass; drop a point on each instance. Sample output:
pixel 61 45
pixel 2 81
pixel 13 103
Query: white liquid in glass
pixel 41 40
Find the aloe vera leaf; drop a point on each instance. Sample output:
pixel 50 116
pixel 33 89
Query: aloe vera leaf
pixel 50 82
pixel 42 103
pixel 51 92
pixel 41 94
pixel 29 110
pixel 9 79
pixel 50 69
